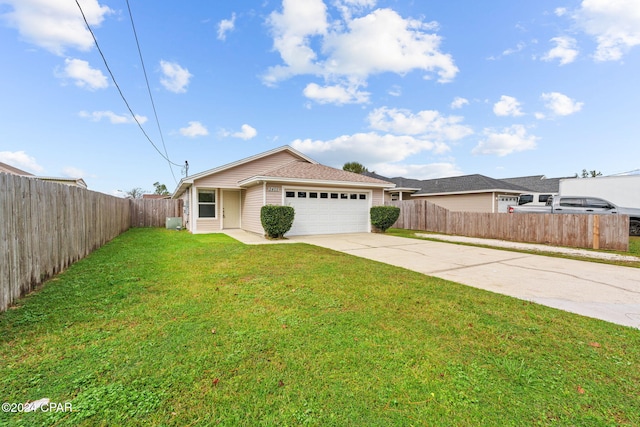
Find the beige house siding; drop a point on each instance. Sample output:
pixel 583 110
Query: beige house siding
pixel 482 202
pixel 251 203
pixel 378 197
pixel 229 178
pixel 207 225
pixel 274 197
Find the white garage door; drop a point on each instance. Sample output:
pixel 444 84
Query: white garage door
pixel 327 212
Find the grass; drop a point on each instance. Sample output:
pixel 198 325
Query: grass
pixel 166 328
pixel 634 248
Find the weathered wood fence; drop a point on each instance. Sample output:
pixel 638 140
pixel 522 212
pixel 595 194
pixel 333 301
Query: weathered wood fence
pixel 46 226
pixel 154 212
pixel 582 231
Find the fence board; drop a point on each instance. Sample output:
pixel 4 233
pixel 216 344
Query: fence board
pixel 46 226
pixel 552 229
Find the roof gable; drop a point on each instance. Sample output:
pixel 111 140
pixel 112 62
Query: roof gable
pixel 298 170
pixel 238 174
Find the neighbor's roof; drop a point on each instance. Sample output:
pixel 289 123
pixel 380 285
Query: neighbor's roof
pixel 454 185
pixel 537 183
pixel 299 171
pixel 13 170
pixel 79 182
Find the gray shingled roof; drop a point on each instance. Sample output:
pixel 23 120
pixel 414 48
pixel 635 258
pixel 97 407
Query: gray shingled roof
pixel 456 184
pixel 537 183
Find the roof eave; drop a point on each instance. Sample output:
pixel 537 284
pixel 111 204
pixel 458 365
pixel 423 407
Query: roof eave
pixel 449 193
pixel 258 179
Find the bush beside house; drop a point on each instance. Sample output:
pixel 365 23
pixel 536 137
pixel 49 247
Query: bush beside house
pixel 276 220
pixel 383 217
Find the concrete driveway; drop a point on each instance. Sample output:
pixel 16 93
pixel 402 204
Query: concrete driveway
pixel 606 292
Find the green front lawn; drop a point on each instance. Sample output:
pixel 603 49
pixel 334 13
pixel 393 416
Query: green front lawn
pixel 166 328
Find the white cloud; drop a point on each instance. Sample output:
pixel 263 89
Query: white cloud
pixel 395 90
pixel 615 25
pixel 349 7
pixel 428 124
pixel 84 76
pixel 459 102
pixel 396 135
pixel 225 26
pixel 20 160
pixel 194 129
pixel 176 78
pixel 114 118
pixel 565 50
pixel 247 132
pixel 561 104
pixel 366 148
pixel 507 106
pixel 519 47
pixel 353 48
pixel 507 141
pixel 55 25
pixel 335 94
pixel 383 41
pixel 560 11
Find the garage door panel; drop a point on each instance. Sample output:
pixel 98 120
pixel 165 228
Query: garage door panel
pixel 328 215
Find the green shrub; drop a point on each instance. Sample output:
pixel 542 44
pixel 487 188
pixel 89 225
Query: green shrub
pixel 383 217
pixel 276 220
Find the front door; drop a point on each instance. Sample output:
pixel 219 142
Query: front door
pixel 230 209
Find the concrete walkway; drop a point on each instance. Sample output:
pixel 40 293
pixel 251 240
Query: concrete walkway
pixel 602 291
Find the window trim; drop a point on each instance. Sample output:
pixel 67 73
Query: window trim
pixel 214 203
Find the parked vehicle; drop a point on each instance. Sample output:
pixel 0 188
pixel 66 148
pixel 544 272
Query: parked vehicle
pixel 621 190
pixel 583 205
pixel 534 199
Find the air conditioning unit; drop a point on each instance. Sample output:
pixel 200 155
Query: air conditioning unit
pixel 174 223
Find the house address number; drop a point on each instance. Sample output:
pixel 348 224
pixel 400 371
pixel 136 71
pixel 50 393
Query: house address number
pixel 273 189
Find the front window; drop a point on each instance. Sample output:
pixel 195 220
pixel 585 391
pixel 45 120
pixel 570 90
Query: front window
pixel 206 204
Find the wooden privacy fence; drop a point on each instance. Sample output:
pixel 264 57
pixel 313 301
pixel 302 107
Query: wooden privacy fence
pixel 581 231
pixel 154 212
pixel 46 226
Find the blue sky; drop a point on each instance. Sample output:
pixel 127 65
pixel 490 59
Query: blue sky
pixel 407 88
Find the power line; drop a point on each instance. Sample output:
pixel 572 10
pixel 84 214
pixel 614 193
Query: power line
pixel 146 78
pixel 104 59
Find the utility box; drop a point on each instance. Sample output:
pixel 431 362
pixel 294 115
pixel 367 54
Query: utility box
pixel 174 223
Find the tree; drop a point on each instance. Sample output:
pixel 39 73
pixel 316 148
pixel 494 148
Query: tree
pixel 134 193
pixel 161 189
pixel 590 174
pixel 354 167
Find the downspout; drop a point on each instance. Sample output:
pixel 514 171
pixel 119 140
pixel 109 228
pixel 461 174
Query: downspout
pixel 194 223
pixel 264 193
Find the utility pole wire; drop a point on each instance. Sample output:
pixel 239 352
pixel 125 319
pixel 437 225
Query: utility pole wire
pixel 146 78
pixel 118 87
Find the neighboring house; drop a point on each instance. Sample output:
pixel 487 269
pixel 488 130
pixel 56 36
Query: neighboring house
pixel 156 196
pixel 78 182
pixel 13 170
pixel 540 188
pixel 326 200
pixel 468 193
